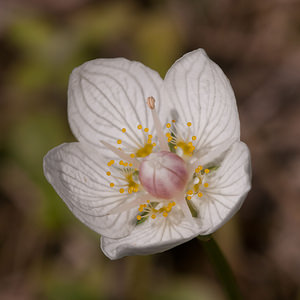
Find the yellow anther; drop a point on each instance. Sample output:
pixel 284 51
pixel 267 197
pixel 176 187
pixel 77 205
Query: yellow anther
pixel 168 125
pixel 173 121
pixel 175 147
pixel 188 197
pixel 141 208
pixel 122 190
pixel 123 129
pixel 148 201
pixel 173 203
pixel 132 155
pixel 189 124
pixel 145 151
pixel 194 138
pixel 169 139
pixel 139 126
pixel 187 148
pixel 200 168
pixel 146 129
pixel 190 192
pixel 206 171
pixel 130 164
pixel 125 164
pixel 197 170
pixel 154 144
pixel 110 163
pixel 119 142
pixel 138 217
pixel 121 162
pixel 150 136
pixel 200 195
pixel 168 134
pixel 111 184
pixel 153 217
pixel 149 141
pixel 165 214
pixel 169 208
pixel 108 173
pixel 206 184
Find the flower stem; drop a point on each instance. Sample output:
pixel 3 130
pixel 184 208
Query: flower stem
pixel 221 266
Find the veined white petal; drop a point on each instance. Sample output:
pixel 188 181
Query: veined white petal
pixel 152 236
pixel 200 93
pixel 77 171
pixel 228 187
pixel 106 95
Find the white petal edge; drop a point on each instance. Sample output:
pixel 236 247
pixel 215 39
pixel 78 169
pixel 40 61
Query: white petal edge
pixel 153 236
pixel 199 92
pixel 228 188
pixel 106 95
pixel 77 172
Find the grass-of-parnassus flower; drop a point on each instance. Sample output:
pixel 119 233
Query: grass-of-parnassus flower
pixel 158 162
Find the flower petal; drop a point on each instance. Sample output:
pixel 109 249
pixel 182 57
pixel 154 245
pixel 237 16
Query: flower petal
pixel 228 187
pixel 77 171
pixel 200 93
pixel 106 95
pixel 152 236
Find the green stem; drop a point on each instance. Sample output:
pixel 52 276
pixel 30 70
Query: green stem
pixel 221 266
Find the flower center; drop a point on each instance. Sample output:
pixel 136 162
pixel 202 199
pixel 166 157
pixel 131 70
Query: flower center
pixel 163 174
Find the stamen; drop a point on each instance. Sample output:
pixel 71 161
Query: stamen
pixel 131 138
pixel 124 207
pixel 159 131
pixel 121 154
pixel 111 162
pixel 180 199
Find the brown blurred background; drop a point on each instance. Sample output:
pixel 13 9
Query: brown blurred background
pixel 45 253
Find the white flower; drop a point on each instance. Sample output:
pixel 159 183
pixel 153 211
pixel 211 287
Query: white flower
pixel 158 162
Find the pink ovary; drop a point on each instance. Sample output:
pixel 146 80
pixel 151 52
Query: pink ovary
pixel 163 174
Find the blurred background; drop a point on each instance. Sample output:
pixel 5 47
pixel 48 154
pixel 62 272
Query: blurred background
pixel 45 253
